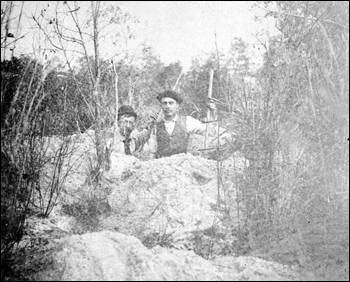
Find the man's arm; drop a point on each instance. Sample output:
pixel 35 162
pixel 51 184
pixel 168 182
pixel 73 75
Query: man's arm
pixel 197 127
pixel 141 137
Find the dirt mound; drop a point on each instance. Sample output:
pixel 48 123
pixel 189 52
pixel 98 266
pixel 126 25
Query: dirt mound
pixel 164 195
pixel 170 195
pixel 111 256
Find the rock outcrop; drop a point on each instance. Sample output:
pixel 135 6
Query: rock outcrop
pixel 112 256
pixel 172 195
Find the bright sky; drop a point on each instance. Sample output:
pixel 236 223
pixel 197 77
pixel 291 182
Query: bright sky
pixel 182 30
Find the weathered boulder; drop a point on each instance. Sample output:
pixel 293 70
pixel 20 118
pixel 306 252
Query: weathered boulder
pixel 173 195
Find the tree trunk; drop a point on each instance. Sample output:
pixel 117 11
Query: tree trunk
pixel 116 77
pixel 96 88
pixel 130 93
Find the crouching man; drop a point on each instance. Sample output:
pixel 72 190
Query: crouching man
pixel 127 140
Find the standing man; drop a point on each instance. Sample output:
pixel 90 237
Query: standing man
pixel 127 140
pixel 173 131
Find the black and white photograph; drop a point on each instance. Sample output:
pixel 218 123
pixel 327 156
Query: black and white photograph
pixel 174 140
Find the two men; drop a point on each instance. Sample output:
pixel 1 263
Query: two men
pixel 171 133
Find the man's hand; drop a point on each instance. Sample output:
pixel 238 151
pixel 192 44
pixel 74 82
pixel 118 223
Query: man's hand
pixel 153 116
pixel 152 120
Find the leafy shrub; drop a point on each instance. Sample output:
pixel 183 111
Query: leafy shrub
pixel 87 211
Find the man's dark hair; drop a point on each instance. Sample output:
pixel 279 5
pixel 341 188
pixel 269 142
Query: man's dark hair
pixel 126 110
pixel 170 94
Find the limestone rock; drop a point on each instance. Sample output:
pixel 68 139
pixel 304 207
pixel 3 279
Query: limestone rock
pixel 174 194
pixel 112 256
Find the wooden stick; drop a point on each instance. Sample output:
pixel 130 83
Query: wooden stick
pixel 177 81
pixel 211 75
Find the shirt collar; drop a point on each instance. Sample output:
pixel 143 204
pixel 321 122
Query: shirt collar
pixel 172 120
pixel 122 138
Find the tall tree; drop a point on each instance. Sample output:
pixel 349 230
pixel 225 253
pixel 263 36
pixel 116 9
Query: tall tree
pixel 70 32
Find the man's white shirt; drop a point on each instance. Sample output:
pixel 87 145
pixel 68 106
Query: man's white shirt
pixel 192 126
pixel 118 145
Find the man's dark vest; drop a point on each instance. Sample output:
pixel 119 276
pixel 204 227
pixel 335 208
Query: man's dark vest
pixel 175 143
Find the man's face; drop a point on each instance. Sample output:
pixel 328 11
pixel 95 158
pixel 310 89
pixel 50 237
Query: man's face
pixel 126 125
pixel 170 107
